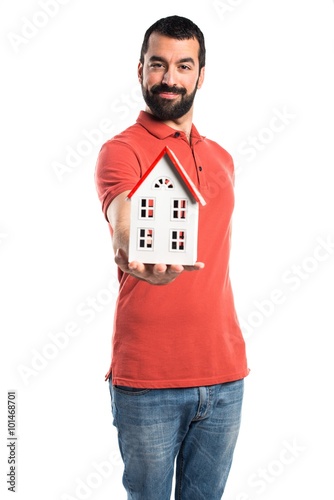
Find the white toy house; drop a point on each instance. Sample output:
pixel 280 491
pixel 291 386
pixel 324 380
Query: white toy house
pixel 164 214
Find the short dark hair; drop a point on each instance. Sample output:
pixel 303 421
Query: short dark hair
pixel 177 27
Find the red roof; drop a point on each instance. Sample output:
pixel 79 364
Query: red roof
pixel 183 174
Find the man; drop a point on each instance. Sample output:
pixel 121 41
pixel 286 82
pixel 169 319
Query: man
pixel 178 363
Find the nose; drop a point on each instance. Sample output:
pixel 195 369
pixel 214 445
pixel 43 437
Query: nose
pixel 169 78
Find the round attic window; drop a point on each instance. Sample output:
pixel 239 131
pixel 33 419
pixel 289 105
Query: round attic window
pixel 163 182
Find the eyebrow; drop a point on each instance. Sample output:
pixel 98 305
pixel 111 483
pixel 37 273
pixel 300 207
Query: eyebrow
pixel 183 60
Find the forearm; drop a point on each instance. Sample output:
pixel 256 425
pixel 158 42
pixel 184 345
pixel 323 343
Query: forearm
pixel 119 218
pixel 120 239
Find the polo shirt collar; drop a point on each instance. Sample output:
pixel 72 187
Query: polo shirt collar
pixel 160 129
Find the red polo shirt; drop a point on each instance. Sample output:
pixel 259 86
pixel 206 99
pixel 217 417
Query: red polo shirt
pixel 186 333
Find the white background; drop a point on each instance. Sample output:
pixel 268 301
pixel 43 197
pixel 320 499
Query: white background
pixel 66 76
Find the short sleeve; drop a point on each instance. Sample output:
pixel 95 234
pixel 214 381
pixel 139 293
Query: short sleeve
pixel 117 170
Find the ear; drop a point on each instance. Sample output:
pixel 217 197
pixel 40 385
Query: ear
pixel 140 72
pixel 201 78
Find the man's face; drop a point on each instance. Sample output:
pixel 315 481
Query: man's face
pixel 170 76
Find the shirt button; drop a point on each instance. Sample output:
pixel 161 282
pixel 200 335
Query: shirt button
pixel 177 134
pixel 200 169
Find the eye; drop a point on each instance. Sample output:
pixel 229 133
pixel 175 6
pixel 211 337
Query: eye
pixel 185 67
pixel 156 65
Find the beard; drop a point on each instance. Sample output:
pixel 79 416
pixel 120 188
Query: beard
pixel 167 109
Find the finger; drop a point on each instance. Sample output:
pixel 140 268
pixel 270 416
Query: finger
pixel 175 268
pixel 137 267
pixel 199 265
pixel 159 269
pixel 196 267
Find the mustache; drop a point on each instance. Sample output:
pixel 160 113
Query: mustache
pixel 156 89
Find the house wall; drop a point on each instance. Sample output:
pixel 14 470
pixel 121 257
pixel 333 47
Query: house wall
pixel 162 222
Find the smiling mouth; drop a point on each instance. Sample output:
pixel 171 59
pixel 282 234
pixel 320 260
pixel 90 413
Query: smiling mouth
pixel 168 95
pixel 167 92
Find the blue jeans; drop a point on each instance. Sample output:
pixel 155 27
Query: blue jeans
pixel 196 426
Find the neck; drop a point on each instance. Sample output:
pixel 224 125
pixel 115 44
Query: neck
pixel 182 124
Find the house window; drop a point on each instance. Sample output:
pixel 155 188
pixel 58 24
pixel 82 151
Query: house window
pixel 177 241
pixel 179 209
pixel 145 239
pixel 163 182
pixel 146 208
